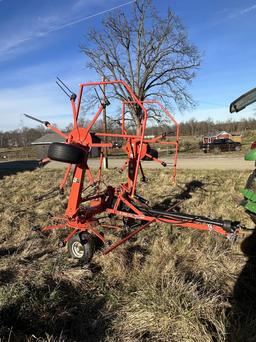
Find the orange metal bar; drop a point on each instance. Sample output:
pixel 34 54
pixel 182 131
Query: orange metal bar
pixel 79 102
pixel 56 130
pixel 187 225
pixel 139 154
pixel 75 192
pixel 179 223
pixel 57 226
pixel 97 233
pixel 136 100
pixel 71 235
pixel 101 145
pixel 120 242
pixel 154 140
pixel 93 122
pixel 130 205
pixel 116 135
pixel 100 166
pixel 124 165
pixel 123 118
pixel 176 143
pixel 117 82
pixel 111 226
pixel 74 114
pixel 89 174
pixel 155 159
pixel 62 184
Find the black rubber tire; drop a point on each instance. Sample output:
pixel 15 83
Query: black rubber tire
pixel 82 246
pixel 152 152
pixel 66 153
pixel 251 181
pixel 216 150
pixel 251 185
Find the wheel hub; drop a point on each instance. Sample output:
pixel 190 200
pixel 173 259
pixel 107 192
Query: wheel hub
pixel 77 249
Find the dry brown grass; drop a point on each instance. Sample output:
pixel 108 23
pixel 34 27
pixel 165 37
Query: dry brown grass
pixel 168 284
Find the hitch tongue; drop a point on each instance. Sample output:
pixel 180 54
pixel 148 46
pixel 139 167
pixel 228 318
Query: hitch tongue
pixel 141 199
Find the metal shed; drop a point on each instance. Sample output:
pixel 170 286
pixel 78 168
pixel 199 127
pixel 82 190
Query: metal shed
pixel 42 144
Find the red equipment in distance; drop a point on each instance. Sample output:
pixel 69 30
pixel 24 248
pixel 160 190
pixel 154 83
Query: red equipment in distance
pixel 122 202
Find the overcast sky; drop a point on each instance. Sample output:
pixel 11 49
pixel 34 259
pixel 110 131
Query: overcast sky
pixel 40 40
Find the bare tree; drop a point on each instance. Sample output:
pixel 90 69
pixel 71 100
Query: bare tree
pixel 150 53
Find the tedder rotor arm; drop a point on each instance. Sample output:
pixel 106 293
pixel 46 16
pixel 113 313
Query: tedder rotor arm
pixel 59 132
pixel 48 125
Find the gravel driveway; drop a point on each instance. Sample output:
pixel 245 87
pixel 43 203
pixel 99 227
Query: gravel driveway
pixel 198 163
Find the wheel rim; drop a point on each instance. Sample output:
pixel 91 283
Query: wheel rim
pixel 77 249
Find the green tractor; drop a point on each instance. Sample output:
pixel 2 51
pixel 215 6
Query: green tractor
pixel 249 192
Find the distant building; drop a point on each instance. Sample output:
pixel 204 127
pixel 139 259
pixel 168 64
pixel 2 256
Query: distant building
pixel 222 135
pixel 42 144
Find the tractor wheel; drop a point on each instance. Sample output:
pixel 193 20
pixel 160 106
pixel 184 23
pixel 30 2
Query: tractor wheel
pixel 251 181
pixel 251 185
pixel 81 246
pixel 66 153
pixel 216 150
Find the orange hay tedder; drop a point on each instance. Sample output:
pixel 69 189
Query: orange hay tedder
pixel 91 217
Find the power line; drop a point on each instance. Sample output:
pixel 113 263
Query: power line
pixel 60 27
pixel 77 21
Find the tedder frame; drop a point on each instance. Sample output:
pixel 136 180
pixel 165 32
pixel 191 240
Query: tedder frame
pixel 123 204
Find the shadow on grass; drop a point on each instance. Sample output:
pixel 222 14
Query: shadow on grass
pixel 241 318
pixel 13 167
pixel 58 309
pixel 7 251
pixel 185 194
pixel 7 276
pixel 130 252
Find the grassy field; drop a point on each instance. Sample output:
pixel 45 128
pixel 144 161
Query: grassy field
pixel 168 284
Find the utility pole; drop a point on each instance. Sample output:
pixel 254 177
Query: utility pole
pixel 104 127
